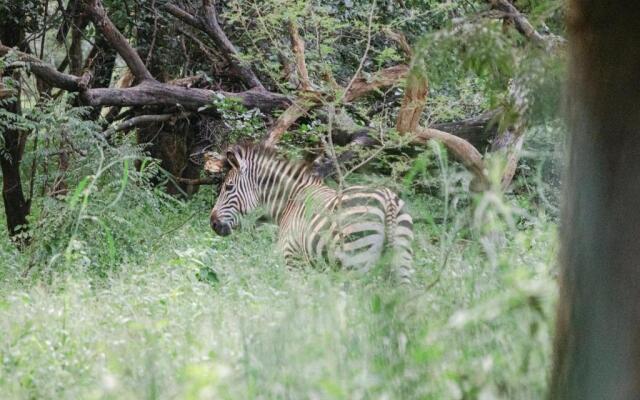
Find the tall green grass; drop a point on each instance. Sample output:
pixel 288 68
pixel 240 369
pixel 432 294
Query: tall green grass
pixel 180 313
pixel 126 293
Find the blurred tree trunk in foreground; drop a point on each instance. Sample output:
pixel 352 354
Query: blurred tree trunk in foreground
pixel 597 345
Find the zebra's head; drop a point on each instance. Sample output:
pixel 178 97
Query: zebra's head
pixel 238 192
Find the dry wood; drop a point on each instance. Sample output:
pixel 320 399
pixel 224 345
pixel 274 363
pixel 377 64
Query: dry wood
pixel 297 45
pixel 379 80
pixel 512 158
pixel 99 17
pixel 413 104
pixel 149 92
pixel 141 120
pixel 523 25
pixel 401 40
pixel 460 148
pixel 46 72
pixel 209 25
pixel 415 98
pixel 155 93
pixel 300 107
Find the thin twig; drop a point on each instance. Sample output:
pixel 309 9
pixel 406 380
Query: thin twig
pixel 366 50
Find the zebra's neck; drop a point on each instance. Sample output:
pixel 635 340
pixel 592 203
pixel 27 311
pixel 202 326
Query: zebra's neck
pixel 280 181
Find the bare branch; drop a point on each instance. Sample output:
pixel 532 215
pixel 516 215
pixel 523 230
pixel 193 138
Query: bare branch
pixel 299 108
pixel 513 156
pixel 297 45
pixel 415 98
pixel 379 80
pixel 147 93
pixel 401 40
pixel 155 93
pixel 461 149
pixel 523 25
pixel 209 24
pixel 479 130
pixel 46 72
pixel 102 22
pixel 311 99
pixel 140 120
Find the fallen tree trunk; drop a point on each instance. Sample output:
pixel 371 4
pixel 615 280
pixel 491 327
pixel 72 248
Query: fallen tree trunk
pixel 481 130
pixel 149 92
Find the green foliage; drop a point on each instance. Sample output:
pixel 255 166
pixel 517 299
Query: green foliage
pixel 125 292
pixel 240 122
pixel 183 313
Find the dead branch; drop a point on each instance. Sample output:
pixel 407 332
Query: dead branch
pixel 415 98
pixel 401 41
pixel 299 108
pixel 513 156
pixel 379 80
pixel 297 45
pixel 156 93
pixel 149 92
pixel 461 149
pixel 141 120
pixel 523 25
pixel 309 100
pixel 413 103
pixel 209 25
pixel 46 72
pixel 479 130
pixel 99 17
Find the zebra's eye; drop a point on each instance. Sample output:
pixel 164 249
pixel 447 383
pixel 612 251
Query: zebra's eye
pixel 229 186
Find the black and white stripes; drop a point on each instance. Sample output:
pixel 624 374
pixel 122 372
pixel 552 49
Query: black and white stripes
pixel 356 228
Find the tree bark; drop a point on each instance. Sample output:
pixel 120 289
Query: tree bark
pixel 415 98
pixel 597 343
pixel 379 80
pixel 15 205
pixel 297 46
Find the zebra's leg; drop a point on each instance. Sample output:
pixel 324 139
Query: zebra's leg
pixel 402 257
pixel 293 256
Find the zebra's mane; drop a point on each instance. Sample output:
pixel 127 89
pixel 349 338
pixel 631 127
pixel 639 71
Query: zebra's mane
pixel 270 153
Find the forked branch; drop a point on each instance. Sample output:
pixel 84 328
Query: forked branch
pixel 102 22
pixel 523 25
pixel 208 23
pixel 379 80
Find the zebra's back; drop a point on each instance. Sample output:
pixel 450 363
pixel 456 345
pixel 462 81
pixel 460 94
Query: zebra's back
pixel 357 228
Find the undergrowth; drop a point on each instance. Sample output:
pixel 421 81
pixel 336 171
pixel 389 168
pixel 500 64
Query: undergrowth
pixel 127 293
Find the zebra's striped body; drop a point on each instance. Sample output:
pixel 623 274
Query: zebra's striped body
pixel 356 228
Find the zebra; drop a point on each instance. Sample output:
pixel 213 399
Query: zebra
pixel 356 228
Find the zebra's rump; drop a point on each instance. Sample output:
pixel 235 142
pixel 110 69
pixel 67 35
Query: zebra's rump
pixel 354 228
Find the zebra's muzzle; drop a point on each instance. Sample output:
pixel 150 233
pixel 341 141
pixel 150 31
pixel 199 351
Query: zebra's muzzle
pixel 221 228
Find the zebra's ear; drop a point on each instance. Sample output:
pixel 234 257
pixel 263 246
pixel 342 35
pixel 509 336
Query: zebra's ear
pixel 214 163
pixel 233 157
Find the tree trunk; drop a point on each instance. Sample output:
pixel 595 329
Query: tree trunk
pixel 15 206
pixel 597 344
